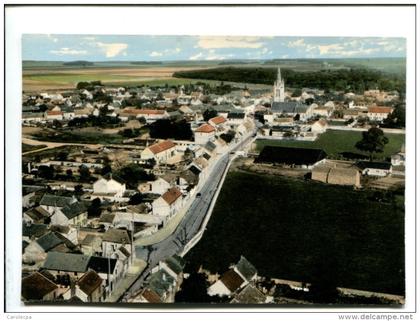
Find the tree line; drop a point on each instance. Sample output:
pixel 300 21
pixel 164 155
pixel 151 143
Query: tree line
pixel 355 80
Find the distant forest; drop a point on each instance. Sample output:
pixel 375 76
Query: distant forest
pixel 355 80
pixel 78 63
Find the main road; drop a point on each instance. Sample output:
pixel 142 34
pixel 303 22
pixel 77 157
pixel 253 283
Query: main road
pixel 192 221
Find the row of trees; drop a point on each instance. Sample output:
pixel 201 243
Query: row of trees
pixel 356 80
pixel 165 128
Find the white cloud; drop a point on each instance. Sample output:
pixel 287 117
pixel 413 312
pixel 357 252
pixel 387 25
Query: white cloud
pixel 165 52
pixel 207 42
pixel 156 54
pixel 52 38
pixel 68 51
pixel 197 56
pixel 112 49
pixel 330 48
pixel 296 43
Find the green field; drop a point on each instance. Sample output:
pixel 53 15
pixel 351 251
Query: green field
pixel 299 230
pixel 85 137
pixel 30 148
pixel 334 142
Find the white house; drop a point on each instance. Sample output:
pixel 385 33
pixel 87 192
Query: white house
pixel 150 115
pixel 160 152
pixel 113 240
pixel 53 115
pixel 204 133
pixel 378 113
pixel 168 204
pixel 158 186
pixel 320 126
pixel 72 214
pixel 108 188
pixel 375 168
pixel 398 159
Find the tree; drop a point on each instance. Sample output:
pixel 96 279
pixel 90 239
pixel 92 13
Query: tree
pixel 132 174
pixel 193 290
pixel 94 210
pixel 78 190
pixel 209 113
pixel 136 199
pixel 46 172
pixel 297 92
pixel 373 141
pixel 396 119
pixel 62 156
pixel 84 173
pixel 69 173
pixel 106 169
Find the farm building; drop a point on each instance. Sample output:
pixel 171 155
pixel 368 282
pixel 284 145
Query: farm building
pixel 375 168
pixel 336 175
pixel 291 156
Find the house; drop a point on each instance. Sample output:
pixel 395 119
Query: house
pixel 151 115
pixel 160 152
pixel 164 281
pixel 161 288
pixel 76 265
pixel 68 113
pixel 37 287
pixel 245 269
pixel 89 288
pixel 323 111
pixel 204 133
pixel 168 204
pixel 174 266
pixel 91 245
pixel 72 214
pixel 36 251
pixel 108 188
pixel 33 231
pixel 291 156
pixel 158 186
pixel 218 122
pixel 36 215
pixel 292 108
pixel 375 168
pixel 320 126
pixel 398 159
pixel 237 277
pixel 378 113
pixel 249 295
pixel 229 283
pixel 337 175
pixel 235 118
pixel 53 115
pixel 113 239
pixel 31 117
pixel 52 203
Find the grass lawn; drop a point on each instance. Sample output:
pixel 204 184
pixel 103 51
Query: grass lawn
pixel 334 142
pixel 29 148
pixel 298 230
pixel 82 137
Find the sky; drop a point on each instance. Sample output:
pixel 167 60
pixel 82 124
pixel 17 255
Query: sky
pixel 55 47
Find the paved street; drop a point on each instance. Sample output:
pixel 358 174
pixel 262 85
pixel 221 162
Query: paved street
pixel 191 221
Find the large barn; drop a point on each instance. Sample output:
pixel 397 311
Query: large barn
pixel 291 156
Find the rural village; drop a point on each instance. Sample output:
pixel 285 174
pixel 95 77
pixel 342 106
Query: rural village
pixel 119 183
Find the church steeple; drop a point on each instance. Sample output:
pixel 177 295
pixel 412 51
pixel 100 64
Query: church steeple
pixel 278 90
pixel 278 74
